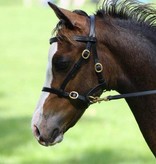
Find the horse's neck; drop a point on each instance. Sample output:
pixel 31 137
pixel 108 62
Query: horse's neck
pixel 135 55
pixel 144 110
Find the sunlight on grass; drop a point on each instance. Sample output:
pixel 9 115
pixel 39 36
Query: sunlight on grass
pixel 107 133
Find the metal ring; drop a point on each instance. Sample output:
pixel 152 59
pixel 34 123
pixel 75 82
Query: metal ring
pixel 86 54
pixel 98 67
pixel 73 95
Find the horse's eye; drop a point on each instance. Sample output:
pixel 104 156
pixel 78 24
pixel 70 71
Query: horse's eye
pixel 61 64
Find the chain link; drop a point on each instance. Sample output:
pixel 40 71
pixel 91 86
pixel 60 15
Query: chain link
pixel 97 99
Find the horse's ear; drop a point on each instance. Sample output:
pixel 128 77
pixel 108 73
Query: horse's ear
pixel 71 19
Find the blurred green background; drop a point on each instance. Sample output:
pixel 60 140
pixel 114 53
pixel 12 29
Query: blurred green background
pixel 107 132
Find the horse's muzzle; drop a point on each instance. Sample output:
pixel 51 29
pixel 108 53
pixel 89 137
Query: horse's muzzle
pixel 48 137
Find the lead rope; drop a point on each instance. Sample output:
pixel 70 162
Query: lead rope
pixel 116 97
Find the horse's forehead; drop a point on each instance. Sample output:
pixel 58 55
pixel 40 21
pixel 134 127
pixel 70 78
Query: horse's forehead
pixel 52 50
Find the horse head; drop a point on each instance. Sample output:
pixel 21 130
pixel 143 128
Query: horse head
pixel 73 75
pixel 113 49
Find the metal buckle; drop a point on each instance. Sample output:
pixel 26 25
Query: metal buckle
pixel 86 54
pixel 73 95
pixel 98 67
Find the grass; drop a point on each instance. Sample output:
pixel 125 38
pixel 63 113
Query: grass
pixel 106 134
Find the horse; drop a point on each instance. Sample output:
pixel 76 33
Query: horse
pixel 113 49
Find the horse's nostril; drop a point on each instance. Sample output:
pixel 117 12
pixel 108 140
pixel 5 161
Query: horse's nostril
pixel 36 130
pixel 41 139
pixel 46 137
pixel 55 133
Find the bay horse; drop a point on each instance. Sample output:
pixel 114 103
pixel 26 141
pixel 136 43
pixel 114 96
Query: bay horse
pixel 114 49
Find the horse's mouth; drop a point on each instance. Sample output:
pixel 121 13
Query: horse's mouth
pixel 56 137
pixel 51 142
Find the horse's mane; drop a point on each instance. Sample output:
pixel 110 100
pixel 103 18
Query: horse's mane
pixel 129 10
pixel 135 12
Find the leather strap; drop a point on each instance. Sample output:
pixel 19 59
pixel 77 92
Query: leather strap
pixel 62 93
pixel 84 39
pixel 92 26
pixel 73 72
pixel 52 40
pixel 129 95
